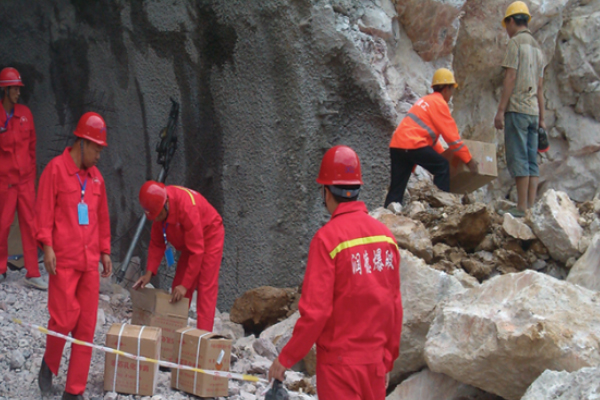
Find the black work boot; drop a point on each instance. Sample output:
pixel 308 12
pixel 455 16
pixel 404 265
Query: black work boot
pixel 45 378
pixel 69 396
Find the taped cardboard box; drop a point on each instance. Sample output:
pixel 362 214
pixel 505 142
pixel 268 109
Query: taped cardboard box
pixel 462 180
pixel 126 375
pixel 204 350
pixel 151 307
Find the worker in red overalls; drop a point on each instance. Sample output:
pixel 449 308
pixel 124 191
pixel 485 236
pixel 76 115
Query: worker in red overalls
pixel 74 228
pixel 185 220
pixel 351 304
pixel 17 177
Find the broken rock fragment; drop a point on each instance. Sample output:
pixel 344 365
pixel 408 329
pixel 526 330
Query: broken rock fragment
pixel 501 336
pixel 586 271
pixel 259 308
pixel 554 219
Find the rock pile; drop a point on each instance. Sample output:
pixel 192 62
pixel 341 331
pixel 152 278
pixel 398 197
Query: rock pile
pixel 485 316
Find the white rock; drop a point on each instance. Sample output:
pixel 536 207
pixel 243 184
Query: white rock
pixel 111 396
pixel 427 385
pixel 247 396
pixel 100 319
pixel 555 385
pixel 377 23
pixel 410 234
pixel 554 221
pixel 501 336
pixel 265 348
pixel 516 228
pixel 414 208
pixel 16 360
pixel 396 208
pixel 586 271
pixel 281 332
pixel 422 288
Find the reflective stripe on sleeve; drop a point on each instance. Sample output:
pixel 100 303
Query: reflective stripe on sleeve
pixel 423 125
pixel 455 142
pixel 360 241
pixel 457 149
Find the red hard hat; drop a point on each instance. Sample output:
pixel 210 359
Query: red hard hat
pixel 10 77
pixel 153 196
pixel 340 166
pixel 91 126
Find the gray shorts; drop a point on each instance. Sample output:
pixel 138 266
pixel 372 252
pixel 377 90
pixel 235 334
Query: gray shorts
pixel 521 144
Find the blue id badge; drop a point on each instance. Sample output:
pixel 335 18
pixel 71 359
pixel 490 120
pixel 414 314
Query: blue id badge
pixel 82 214
pixel 169 256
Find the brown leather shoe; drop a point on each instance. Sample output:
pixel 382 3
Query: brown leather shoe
pixel 45 378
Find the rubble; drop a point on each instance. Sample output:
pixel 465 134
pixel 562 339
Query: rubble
pixel 261 307
pixel 586 271
pixel 516 228
pixel 563 385
pixel 501 336
pixel 422 288
pixel 409 234
pixel 554 219
pixel 428 385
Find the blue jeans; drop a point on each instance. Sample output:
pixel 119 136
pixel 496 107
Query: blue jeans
pixel 521 144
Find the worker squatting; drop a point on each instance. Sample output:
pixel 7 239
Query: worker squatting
pixel 351 305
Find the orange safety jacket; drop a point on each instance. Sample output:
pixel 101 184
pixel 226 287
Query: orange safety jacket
pixel 428 119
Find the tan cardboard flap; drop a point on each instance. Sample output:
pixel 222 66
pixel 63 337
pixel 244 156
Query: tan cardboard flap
pixel 156 301
pixel 462 180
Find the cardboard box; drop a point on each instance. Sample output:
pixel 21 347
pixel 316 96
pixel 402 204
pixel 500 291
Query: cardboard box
pixel 462 180
pixel 124 374
pixel 205 350
pixel 151 307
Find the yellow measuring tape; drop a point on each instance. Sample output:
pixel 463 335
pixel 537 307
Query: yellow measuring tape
pixel 220 374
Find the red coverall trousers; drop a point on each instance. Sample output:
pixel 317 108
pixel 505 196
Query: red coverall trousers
pixel 351 382
pixel 73 307
pixel 19 197
pixel 208 280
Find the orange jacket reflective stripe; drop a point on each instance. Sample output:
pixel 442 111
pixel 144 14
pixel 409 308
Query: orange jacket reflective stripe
pixel 425 122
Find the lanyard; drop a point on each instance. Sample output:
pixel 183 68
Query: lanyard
pixel 165 226
pixel 8 118
pixel 83 185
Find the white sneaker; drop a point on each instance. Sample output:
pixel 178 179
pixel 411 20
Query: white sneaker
pixel 37 282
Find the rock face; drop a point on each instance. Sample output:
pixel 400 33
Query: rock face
pixel 410 235
pixel 259 308
pixel 427 385
pixel 555 222
pixel 422 288
pixel 501 336
pixel 586 271
pixel 582 384
pixel 432 25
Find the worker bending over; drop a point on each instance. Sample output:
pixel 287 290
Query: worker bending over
pixel 416 140
pixel 185 220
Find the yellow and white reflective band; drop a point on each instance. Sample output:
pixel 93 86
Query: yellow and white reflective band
pixel 218 374
pixel 188 192
pixel 360 241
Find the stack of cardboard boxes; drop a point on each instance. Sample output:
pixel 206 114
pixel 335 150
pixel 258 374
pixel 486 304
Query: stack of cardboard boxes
pixel 160 331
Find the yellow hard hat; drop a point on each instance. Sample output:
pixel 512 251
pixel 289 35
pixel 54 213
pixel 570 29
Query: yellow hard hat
pixel 443 76
pixel 518 7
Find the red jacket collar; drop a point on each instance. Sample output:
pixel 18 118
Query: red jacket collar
pixel 350 207
pixel 70 164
